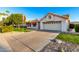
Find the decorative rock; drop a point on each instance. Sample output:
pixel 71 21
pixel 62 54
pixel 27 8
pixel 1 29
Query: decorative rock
pixel 59 41
pixel 54 40
pixel 60 46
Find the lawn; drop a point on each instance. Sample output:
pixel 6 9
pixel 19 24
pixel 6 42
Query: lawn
pixel 73 38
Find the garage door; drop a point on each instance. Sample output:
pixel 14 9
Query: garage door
pixel 52 25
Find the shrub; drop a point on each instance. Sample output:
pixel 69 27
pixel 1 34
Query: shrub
pixel 0 29
pixel 11 28
pixel 27 30
pixel 71 26
pixel 77 28
pixel 7 28
pixel 20 29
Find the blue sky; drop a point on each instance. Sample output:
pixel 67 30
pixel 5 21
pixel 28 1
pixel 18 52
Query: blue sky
pixel 32 13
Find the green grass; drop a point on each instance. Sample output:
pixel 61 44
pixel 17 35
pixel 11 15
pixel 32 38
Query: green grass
pixel 72 38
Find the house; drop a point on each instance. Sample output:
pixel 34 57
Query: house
pixel 34 24
pixel 72 25
pixel 3 16
pixel 74 22
pixel 52 22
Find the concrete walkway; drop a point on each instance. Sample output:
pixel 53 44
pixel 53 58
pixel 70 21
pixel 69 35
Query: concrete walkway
pixel 29 41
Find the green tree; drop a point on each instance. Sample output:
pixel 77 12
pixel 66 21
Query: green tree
pixel 1 23
pixel 77 27
pixel 15 19
pixel 7 11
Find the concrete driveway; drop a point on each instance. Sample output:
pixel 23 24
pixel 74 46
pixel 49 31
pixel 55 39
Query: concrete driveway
pixel 28 41
pixel 4 46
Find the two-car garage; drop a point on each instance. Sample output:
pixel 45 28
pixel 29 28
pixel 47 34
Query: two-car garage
pixel 53 22
pixel 52 25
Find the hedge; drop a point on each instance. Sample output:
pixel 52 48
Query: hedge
pixel 6 29
pixel 77 27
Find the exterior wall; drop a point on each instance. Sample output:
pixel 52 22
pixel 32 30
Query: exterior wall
pixel 58 19
pixel 64 26
pixel 41 25
pixel 47 19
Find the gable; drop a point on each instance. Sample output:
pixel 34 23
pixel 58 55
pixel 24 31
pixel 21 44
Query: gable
pixel 52 17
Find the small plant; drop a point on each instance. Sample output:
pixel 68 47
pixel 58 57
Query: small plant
pixel 77 28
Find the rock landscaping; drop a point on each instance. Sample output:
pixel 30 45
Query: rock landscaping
pixel 57 45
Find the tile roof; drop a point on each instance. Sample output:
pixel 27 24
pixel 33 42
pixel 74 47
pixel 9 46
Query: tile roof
pixel 35 20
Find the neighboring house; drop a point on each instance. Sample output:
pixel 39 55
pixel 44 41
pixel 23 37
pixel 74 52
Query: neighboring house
pixel 72 24
pixel 75 22
pixel 34 24
pixel 53 22
pixel 3 16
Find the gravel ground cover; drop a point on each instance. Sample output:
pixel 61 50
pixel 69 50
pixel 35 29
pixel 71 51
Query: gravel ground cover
pixel 57 46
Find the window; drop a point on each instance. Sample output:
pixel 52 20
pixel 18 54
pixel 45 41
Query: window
pixel 49 16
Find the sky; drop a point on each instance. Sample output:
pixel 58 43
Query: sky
pixel 33 13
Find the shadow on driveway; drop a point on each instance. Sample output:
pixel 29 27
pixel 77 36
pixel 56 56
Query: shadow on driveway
pixel 4 49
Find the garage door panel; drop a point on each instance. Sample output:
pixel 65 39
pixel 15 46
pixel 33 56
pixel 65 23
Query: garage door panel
pixel 55 26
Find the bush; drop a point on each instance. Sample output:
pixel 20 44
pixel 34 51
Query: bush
pixel 27 30
pixel 0 29
pixel 11 28
pixel 7 28
pixel 77 28
pixel 71 26
pixel 21 30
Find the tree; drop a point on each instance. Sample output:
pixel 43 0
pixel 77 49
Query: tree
pixel 77 27
pixel 1 23
pixel 7 11
pixel 15 19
